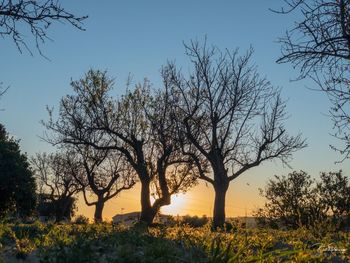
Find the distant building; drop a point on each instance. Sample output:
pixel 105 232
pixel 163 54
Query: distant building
pixel 128 218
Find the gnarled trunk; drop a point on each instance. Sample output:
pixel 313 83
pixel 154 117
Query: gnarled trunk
pixel 219 204
pixel 147 213
pixel 98 209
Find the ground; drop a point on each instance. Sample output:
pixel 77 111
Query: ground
pixel 39 242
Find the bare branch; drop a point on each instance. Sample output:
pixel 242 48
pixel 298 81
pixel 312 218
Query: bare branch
pixel 37 16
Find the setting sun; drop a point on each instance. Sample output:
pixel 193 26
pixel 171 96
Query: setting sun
pixel 177 204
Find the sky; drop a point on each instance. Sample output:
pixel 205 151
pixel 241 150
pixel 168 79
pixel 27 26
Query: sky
pixel 138 37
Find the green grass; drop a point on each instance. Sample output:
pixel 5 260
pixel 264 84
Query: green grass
pixel 105 243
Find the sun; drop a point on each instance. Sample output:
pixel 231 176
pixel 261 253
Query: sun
pixel 177 204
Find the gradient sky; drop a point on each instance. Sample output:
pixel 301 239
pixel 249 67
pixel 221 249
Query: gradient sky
pixel 138 37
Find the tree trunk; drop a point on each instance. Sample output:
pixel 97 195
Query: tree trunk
pixel 148 215
pixel 147 212
pixel 219 205
pixel 98 209
pixel 59 210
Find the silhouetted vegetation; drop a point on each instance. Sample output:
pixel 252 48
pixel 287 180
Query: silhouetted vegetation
pixel 296 201
pixel 17 183
pixel 194 221
pixel 224 115
pixel 103 174
pixel 56 183
pixel 81 220
pixel 319 46
pixel 139 126
pixel 334 190
pixel 230 116
pixel 56 208
pixel 214 123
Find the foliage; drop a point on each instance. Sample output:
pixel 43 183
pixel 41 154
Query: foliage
pixel 17 183
pixel 289 199
pixel 296 200
pixel 81 219
pixel 60 209
pixel 106 243
pixel 334 189
pixel 194 221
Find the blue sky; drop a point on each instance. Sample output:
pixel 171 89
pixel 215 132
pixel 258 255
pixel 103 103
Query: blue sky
pixel 138 37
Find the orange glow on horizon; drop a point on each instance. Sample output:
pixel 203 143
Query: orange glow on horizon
pixel 241 200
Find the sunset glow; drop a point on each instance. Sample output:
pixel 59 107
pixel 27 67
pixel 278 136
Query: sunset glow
pixel 36 82
pixel 174 131
pixel 178 202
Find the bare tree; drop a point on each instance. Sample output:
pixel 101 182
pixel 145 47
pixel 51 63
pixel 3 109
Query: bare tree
pixel 319 46
pixel 140 126
pixel 231 117
pixel 56 182
pixel 37 16
pixel 103 174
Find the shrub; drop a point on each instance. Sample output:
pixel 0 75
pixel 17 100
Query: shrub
pixel 195 221
pixel 17 183
pixel 334 190
pixel 81 220
pixel 296 200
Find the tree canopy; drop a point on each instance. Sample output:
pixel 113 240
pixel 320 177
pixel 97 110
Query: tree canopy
pixel 17 183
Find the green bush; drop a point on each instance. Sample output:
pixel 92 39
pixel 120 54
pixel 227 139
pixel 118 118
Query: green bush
pixel 296 200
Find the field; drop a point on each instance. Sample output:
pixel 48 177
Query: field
pixel 39 242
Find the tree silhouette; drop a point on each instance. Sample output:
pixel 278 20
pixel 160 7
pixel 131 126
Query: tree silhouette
pixel 37 16
pixel 57 186
pixel 103 173
pixel 17 183
pixel 139 125
pixel 231 117
pixel 319 46
pixel 297 200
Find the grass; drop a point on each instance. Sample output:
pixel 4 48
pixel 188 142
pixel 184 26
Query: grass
pixel 107 243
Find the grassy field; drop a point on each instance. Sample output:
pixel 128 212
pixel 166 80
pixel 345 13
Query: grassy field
pixel 39 242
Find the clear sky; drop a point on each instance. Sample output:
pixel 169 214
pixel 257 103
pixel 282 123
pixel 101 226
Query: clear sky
pixel 138 37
